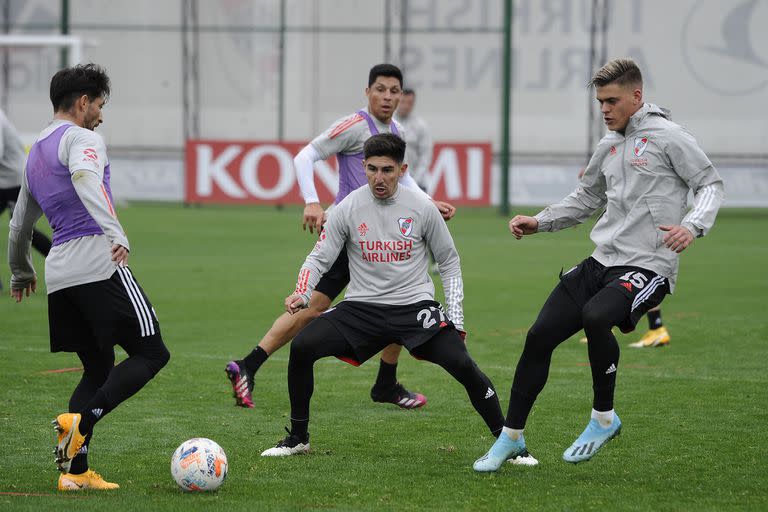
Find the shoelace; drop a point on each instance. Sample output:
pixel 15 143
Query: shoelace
pixel 401 392
pixel 286 442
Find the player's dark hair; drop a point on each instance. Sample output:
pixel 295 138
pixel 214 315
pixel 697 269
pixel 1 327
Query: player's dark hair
pixel 385 144
pixel 68 84
pixel 619 71
pixel 384 70
pixel 409 92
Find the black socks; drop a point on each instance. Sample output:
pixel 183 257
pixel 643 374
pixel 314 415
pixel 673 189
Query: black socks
pixel 387 377
pixel 654 319
pixel 255 359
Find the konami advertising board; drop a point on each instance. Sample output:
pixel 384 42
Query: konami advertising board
pixel 252 172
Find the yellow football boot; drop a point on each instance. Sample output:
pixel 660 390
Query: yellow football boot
pixel 653 338
pixel 88 480
pixel 70 439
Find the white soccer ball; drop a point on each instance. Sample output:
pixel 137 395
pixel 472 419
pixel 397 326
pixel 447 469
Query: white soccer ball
pixel 199 464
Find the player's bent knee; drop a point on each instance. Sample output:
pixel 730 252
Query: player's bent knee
pixel 97 366
pixel 458 364
pixel 539 343
pixel 301 320
pixel 317 309
pixel 164 358
pixel 156 355
pixel 535 337
pixel 96 378
pixel 301 347
pixel 158 363
pixel 319 304
pixel 593 317
pixel 312 313
pixel 463 372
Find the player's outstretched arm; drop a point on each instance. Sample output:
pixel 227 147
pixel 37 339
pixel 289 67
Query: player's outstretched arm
pixel 581 203
pixel 523 225
pixel 304 163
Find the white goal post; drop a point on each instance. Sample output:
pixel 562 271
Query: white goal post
pixel 73 43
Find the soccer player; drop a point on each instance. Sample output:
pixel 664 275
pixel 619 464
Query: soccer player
pixel 345 139
pixel 386 230
pixel 94 301
pixel 419 147
pixel 11 168
pixel 641 172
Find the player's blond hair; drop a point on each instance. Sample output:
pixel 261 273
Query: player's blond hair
pixel 618 71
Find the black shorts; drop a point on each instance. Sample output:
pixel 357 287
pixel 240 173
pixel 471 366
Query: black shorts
pixel 8 197
pixel 368 328
pixel 644 288
pixel 336 279
pixel 96 316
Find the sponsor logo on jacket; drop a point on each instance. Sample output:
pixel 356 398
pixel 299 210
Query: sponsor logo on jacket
pixel 386 251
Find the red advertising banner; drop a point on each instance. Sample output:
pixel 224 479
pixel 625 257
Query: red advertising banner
pixel 251 172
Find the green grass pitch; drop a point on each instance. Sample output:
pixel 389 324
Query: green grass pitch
pixel 694 414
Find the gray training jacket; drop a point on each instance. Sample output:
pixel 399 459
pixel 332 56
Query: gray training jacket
pixel 388 242
pixel 642 178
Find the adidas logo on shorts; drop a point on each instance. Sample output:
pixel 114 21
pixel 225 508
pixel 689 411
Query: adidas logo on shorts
pixel 489 393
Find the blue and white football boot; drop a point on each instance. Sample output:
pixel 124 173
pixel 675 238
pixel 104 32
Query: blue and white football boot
pixel 503 449
pixel 591 440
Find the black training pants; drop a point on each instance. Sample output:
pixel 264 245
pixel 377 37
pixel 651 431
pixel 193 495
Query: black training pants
pixel 446 349
pixel 146 357
pixel 559 319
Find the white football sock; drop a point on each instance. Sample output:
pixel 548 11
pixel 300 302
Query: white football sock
pixel 513 433
pixel 605 418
